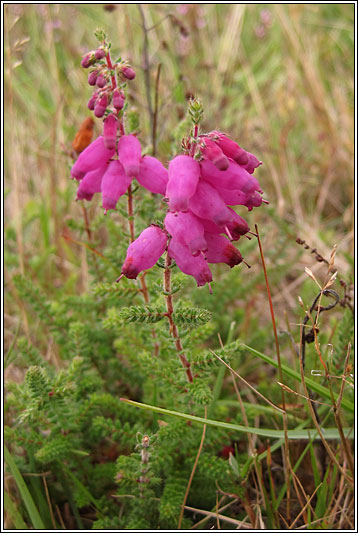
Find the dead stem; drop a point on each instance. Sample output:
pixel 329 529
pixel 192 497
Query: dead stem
pixel 287 450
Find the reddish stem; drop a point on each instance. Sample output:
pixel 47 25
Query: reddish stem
pixel 110 66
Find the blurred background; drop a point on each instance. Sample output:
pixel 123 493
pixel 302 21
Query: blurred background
pixel 277 78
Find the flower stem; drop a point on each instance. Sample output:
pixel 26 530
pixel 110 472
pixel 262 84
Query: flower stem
pixel 130 213
pixel 172 326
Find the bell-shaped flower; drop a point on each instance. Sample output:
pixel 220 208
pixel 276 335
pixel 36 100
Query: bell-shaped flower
pixel 213 153
pixel 110 126
pixel 188 264
pixel 252 163
pixel 130 154
pixel 187 228
pixel 207 203
pixel 235 177
pixel 230 148
pixel 115 183
pixel 153 175
pixel 183 175
pixel 145 251
pixel 101 106
pixel 94 156
pixel 220 250
pixel 91 183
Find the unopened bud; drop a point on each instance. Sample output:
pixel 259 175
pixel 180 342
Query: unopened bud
pixel 92 101
pixel 118 99
pixel 101 81
pixel 99 53
pixel 101 106
pixel 87 60
pixel 92 77
pixel 128 73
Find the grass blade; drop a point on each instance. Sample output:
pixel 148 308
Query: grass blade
pixel 293 434
pixel 24 491
pixel 323 391
pixel 13 512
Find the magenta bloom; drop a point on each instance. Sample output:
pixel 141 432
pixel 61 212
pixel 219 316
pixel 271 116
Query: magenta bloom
pixel 153 175
pixel 110 126
pixel 187 228
pixel 101 81
pixel 252 163
pixel 130 153
pixel 234 229
pixel 92 77
pixel 145 251
pixel 183 174
pixel 220 250
pixel 235 177
pixel 93 157
pixel 91 183
pixel 188 264
pixel 237 197
pixel 92 101
pixel 230 148
pixel 114 184
pixel 207 203
pixel 211 151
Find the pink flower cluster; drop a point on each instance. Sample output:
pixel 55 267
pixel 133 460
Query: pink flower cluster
pixel 98 171
pixel 199 194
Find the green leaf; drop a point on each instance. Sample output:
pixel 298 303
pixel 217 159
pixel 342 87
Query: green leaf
pixel 292 434
pixel 24 491
pixel 13 512
pixel 311 384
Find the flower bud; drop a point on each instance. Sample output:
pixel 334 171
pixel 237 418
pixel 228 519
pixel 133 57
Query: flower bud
pixel 87 60
pixel 92 77
pixel 153 175
pixel 130 153
pixel 212 152
pixel 188 264
pixel 101 81
pixel 187 228
pixel 118 99
pixel 128 73
pixel 220 250
pixel 94 156
pixel 92 101
pixel 101 106
pixel 110 125
pixel 183 175
pixel 100 53
pixel 114 184
pixel 145 251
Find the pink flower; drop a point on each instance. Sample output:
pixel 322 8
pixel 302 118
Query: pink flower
pixel 207 203
pixel 188 264
pixel 230 148
pixel 87 60
pixel 92 77
pixel 114 184
pixel 110 126
pixel 145 251
pixel 220 250
pixel 236 227
pixel 187 228
pixel 130 153
pixel 91 183
pixel 211 151
pixel 235 177
pixel 92 101
pixel 101 81
pixel 94 156
pixel 99 53
pixel 183 175
pixel 252 163
pixel 153 175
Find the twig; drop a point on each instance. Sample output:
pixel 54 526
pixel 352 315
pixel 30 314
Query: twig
pixel 172 326
pixel 192 473
pixel 49 502
pixel 287 450
pixel 155 115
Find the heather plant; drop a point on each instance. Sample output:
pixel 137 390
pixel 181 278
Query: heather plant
pixel 159 415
